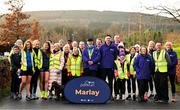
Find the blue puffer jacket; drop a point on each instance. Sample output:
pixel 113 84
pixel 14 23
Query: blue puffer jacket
pixel 143 66
pixel 108 55
pixel 174 61
pixel 95 58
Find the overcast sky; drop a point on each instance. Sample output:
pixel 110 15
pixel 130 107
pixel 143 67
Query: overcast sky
pixel 99 5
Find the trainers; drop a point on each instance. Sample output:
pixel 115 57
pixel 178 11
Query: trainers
pixel 129 97
pixel 15 97
pixel 151 96
pixel 19 96
pixel 42 94
pixel 28 98
pixel 173 99
pixel 156 98
pixel 123 97
pixel 32 96
pixel 45 95
pixel 134 97
pixel 35 97
pixel 145 98
pixel 117 98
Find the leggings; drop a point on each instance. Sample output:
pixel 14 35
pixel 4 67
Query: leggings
pixel 34 81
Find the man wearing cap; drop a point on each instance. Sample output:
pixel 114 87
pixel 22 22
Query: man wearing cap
pixel 91 57
pixel 108 53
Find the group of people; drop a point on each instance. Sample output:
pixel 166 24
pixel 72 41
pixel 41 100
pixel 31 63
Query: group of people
pixel 124 69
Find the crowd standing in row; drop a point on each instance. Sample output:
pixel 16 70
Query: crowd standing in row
pixel 140 66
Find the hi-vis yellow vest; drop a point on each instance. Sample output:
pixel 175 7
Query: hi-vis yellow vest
pixel 24 61
pixel 75 66
pixel 38 59
pixel 132 72
pixel 121 74
pixel 55 61
pixel 160 62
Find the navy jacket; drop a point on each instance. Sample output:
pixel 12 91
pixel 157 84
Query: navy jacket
pixel 174 62
pixel 144 66
pixel 95 58
pixel 108 55
pixel 15 61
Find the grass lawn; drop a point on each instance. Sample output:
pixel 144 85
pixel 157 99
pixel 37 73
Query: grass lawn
pixel 178 88
pixel 177 49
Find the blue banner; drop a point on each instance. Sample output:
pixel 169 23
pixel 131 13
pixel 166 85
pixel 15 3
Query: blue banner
pixel 87 90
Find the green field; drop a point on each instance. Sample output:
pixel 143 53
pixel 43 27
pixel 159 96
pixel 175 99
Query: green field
pixel 177 49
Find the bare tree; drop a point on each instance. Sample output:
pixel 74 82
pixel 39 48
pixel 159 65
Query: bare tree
pixel 174 12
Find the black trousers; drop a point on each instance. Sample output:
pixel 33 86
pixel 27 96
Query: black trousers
pixel 131 81
pixel 98 74
pixel 120 86
pixel 142 87
pixel 15 82
pixel 34 81
pixel 151 83
pixel 172 78
pixel 65 78
pixel 108 72
pixel 161 85
pixel 88 72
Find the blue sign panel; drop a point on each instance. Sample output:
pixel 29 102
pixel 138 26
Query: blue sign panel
pixel 87 90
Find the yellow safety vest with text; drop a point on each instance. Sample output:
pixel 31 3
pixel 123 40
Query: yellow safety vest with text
pixel 160 62
pixel 121 74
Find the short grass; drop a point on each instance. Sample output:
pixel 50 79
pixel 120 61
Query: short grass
pixel 177 49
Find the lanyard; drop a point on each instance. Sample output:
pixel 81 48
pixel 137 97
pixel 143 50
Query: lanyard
pixel 90 53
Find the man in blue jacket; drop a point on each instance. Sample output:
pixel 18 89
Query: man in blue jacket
pixel 172 68
pixel 108 54
pixel 91 57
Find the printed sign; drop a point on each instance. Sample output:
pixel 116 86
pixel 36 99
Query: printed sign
pixel 87 90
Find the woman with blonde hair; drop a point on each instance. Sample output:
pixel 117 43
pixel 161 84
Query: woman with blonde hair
pixel 172 68
pixel 27 69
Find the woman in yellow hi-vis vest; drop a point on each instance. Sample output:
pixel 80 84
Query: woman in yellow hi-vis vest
pixel 56 65
pixel 27 69
pixel 120 75
pixel 131 82
pixel 74 64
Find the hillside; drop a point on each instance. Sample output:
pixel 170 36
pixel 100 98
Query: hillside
pixel 87 18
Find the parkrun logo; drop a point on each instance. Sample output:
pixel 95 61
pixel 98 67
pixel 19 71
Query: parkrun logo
pixel 87 84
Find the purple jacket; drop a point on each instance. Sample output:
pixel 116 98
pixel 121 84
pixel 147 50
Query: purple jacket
pixel 144 66
pixel 108 55
pixel 174 62
pixel 95 58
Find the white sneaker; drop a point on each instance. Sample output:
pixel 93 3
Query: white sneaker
pixel 117 98
pixel 123 97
